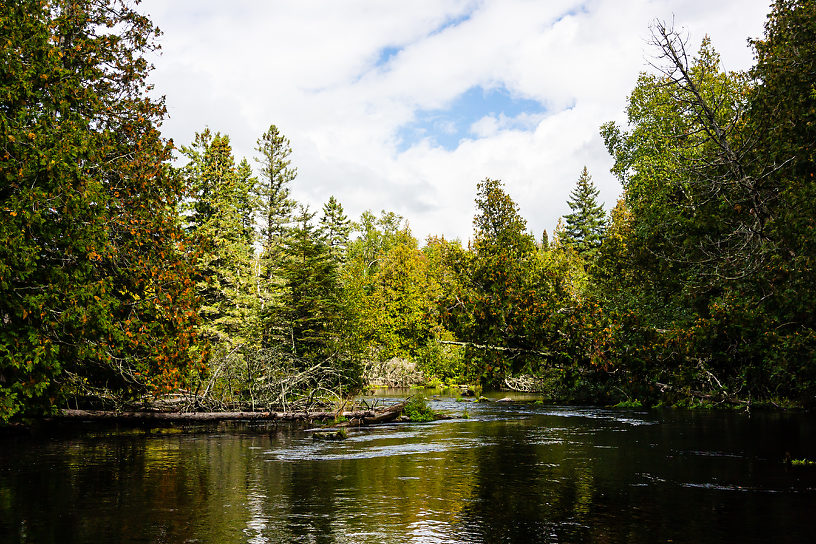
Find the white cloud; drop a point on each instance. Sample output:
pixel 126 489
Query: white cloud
pixel 311 68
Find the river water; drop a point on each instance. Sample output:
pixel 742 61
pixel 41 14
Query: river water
pixel 509 472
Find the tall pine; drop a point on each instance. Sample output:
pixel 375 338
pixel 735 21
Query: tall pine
pixel 219 220
pixel 586 224
pixel 275 208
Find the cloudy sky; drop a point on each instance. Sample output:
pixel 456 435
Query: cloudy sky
pixel 406 105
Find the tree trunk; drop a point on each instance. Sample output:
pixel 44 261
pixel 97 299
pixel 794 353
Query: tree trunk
pixel 363 416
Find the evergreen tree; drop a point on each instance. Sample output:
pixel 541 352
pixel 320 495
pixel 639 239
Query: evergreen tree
pixel 496 272
pixel 336 227
pixel 219 220
pixel 247 202
pixel 93 282
pixel 310 308
pixel 586 224
pixel 275 205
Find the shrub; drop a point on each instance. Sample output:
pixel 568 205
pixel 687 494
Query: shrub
pixel 417 409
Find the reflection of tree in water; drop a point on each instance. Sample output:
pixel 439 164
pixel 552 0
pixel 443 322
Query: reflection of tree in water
pixel 311 498
pixel 528 492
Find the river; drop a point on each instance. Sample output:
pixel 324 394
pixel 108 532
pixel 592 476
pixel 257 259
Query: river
pixel 509 472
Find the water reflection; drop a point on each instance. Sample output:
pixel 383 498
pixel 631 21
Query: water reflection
pixel 510 473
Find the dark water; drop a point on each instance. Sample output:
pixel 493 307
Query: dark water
pixel 510 473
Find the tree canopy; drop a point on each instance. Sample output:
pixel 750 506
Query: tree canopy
pixel 124 276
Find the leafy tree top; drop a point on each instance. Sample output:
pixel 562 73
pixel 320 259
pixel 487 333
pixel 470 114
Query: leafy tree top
pixel 497 223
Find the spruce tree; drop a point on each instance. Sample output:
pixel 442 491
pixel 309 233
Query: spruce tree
pixel 336 227
pixel 586 225
pixel 219 219
pixel 311 301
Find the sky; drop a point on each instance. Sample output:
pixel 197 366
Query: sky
pixel 404 106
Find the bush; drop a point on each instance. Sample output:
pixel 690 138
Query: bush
pixel 417 409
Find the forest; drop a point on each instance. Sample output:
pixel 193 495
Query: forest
pixel 126 278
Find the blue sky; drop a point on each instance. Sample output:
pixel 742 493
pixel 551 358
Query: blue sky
pixel 446 127
pixel 405 106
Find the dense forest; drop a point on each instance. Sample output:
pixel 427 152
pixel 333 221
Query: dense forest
pixel 125 277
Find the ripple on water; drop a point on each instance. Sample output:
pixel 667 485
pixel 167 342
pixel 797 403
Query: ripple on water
pixel 599 413
pixel 308 450
pixel 706 453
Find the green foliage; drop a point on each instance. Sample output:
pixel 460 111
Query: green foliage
pixel 120 273
pixel 495 281
pixel 389 291
pixel 310 308
pixel 629 404
pixel 218 217
pixel 272 191
pixel 708 256
pixel 336 228
pixel 274 209
pixel 586 225
pixel 418 410
pixel 445 362
pixel 93 274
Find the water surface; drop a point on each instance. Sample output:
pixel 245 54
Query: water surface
pixel 510 472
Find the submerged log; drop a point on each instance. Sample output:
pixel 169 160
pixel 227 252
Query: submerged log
pixel 364 417
pixel 339 434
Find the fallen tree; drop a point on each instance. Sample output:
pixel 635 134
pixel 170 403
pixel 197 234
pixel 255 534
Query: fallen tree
pixel 352 417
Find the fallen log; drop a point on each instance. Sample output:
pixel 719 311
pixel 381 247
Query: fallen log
pixel 365 417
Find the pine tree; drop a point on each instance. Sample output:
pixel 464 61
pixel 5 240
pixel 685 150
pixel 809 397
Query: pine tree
pixel 336 227
pixel 275 207
pixel 586 225
pixel 219 219
pixel 311 301
pixel 275 204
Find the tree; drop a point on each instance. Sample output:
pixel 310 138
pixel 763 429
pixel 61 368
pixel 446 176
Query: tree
pixel 275 204
pixel 783 118
pixel 275 208
pixel 586 224
pixel 686 184
pixel 311 306
pixel 336 227
pixel 94 277
pixel 717 243
pixel 501 253
pixel 369 328
pixel 219 219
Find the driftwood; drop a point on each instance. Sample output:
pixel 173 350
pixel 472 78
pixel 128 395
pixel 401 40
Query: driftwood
pixel 494 348
pixel 360 417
